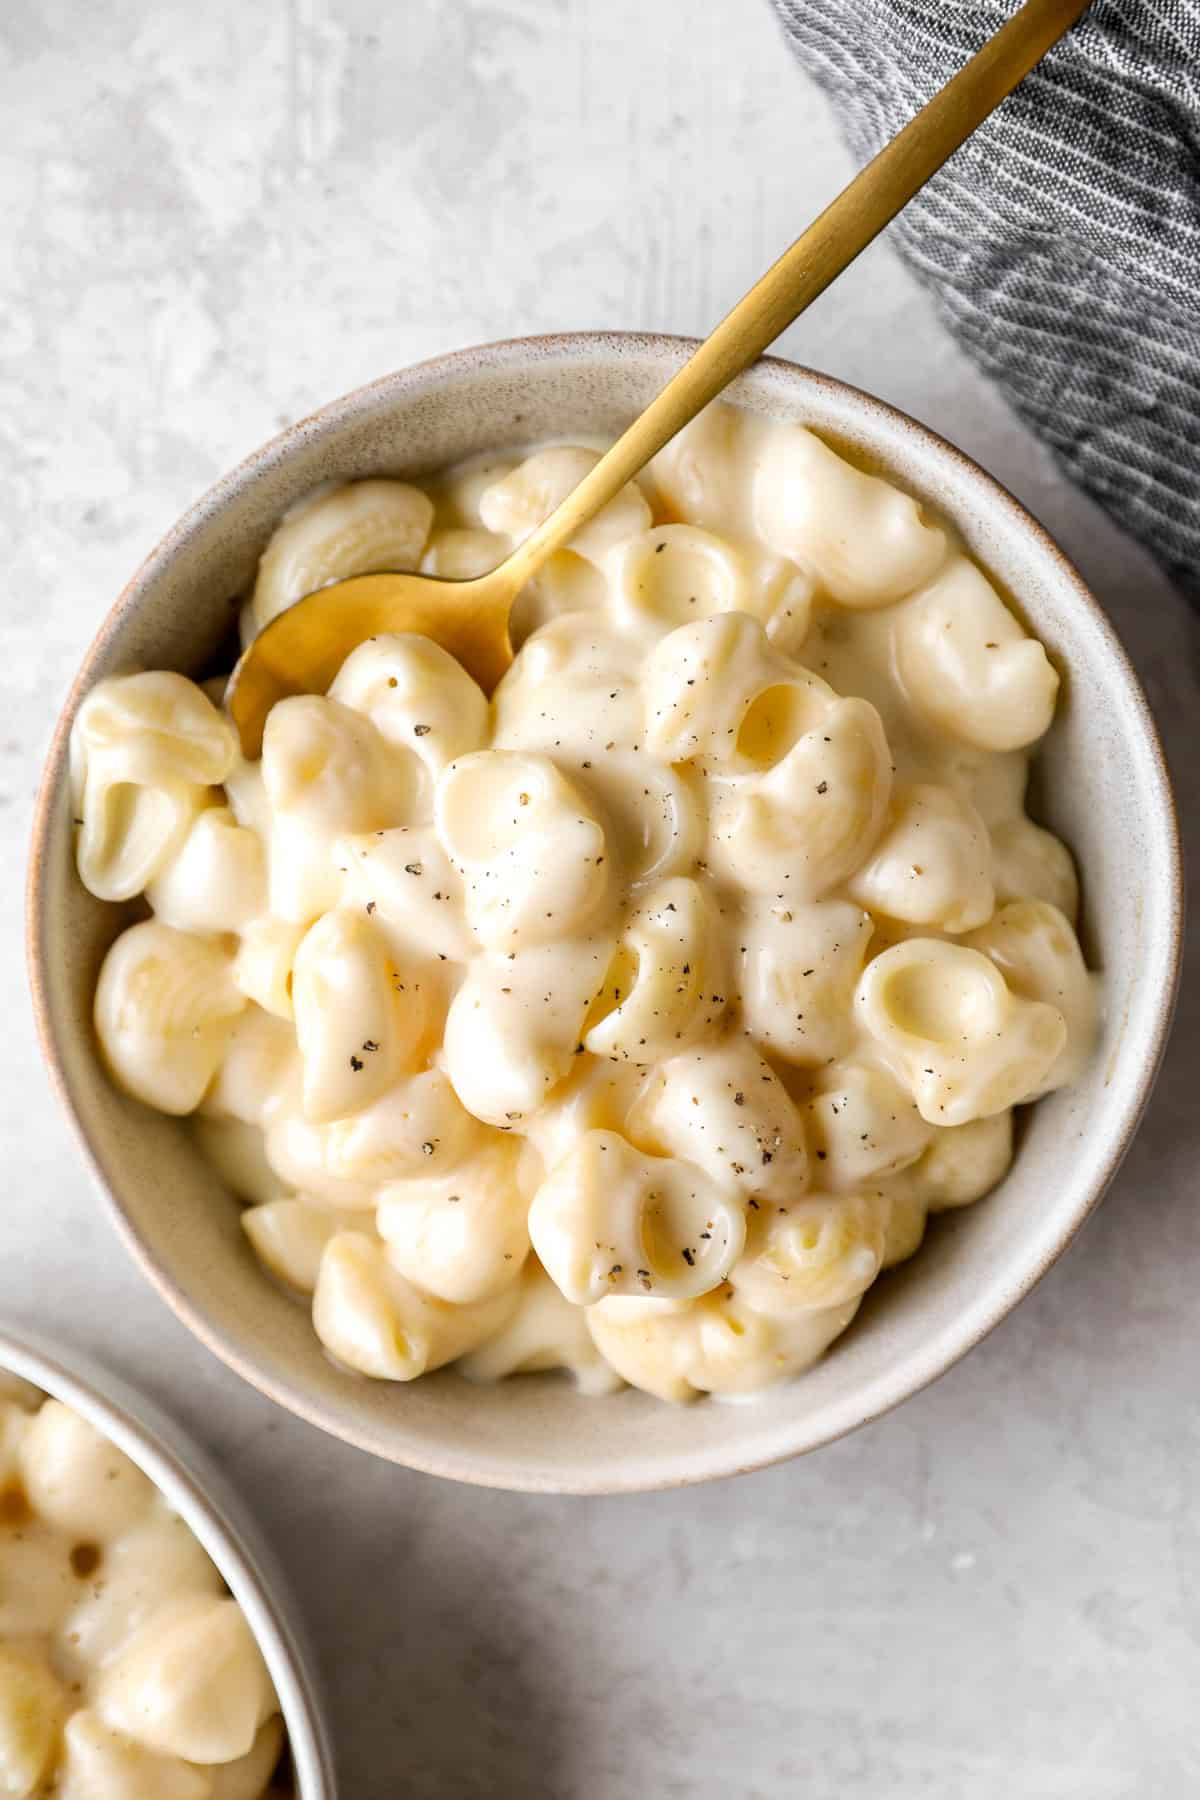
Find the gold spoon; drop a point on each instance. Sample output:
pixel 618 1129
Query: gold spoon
pixel 301 650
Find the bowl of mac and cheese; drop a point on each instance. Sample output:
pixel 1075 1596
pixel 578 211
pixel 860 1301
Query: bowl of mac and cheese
pixel 145 1650
pixel 745 1003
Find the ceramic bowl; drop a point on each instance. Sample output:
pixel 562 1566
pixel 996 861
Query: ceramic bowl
pixel 195 1488
pixel 1102 786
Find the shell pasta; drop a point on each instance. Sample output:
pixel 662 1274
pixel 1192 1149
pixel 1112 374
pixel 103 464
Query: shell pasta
pixel 633 1020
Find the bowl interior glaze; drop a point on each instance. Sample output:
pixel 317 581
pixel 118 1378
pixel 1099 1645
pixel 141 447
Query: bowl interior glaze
pixel 1104 788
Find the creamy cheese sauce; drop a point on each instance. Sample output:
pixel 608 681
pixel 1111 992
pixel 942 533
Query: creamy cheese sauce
pixel 634 1022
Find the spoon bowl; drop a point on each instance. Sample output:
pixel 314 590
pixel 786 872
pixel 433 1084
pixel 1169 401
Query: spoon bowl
pixel 302 648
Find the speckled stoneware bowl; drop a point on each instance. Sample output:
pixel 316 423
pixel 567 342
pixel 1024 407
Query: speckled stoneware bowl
pixel 1103 787
pixel 202 1497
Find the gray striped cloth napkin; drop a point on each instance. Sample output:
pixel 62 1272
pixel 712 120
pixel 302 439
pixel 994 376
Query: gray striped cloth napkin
pixel 1062 242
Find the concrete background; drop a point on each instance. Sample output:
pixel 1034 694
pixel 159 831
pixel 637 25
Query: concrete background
pixel 219 216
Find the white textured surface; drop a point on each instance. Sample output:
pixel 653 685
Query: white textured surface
pixel 220 216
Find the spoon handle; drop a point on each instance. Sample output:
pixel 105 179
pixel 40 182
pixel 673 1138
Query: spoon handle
pixel 830 244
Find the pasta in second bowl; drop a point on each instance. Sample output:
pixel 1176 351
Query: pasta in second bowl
pixel 708 961
pixel 145 1648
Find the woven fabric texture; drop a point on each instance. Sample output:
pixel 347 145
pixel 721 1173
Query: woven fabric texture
pixel 1062 242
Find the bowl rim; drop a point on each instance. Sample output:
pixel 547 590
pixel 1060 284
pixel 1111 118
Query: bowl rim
pixel 583 347
pixel 185 1478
